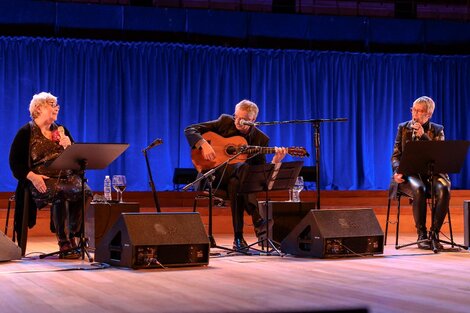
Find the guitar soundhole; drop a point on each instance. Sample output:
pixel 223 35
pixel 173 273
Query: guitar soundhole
pixel 231 150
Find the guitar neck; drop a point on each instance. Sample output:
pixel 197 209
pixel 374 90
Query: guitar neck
pixel 264 150
pixel 293 151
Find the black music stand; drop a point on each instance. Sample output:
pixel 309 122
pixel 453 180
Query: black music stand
pixel 80 157
pixel 265 178
pixel 429 158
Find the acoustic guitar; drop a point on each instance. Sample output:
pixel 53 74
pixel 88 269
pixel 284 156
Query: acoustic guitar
pixel 225 148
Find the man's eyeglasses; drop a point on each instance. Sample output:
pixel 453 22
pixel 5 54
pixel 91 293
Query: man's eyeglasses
pixel 235 117
pixel 413 110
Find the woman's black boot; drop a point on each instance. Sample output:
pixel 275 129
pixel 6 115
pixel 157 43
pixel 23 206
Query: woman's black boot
pixel 423 242
pixel 435 244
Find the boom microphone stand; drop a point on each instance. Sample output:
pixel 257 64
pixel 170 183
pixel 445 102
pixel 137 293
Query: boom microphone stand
pixel 316 142
pixel 155 143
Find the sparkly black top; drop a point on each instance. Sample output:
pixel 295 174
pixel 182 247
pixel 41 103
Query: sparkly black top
pixel 44 150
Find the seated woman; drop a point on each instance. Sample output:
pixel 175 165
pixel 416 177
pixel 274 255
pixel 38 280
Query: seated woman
pixel 36 143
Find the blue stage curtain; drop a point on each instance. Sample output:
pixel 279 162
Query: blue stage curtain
pixel 135 92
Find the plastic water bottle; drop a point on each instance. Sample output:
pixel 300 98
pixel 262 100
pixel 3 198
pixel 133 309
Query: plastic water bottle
pixel 107 188
pixel 299 185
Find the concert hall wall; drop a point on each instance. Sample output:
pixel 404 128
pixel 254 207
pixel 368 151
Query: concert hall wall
pixel 135 92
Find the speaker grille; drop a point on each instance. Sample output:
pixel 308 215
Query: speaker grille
pixel 466 221
pixel 153 240
pixel 334 233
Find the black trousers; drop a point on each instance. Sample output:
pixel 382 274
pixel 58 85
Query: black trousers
pixel 228 179
pixel 65 196
pixel 419 188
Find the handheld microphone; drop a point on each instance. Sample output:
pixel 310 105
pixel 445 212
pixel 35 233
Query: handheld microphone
pixel 58 133
pixel 248 123
pixel 413 132
pixel 154 143
pixel 61 131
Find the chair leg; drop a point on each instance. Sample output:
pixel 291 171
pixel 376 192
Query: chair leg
pixel 387 220
pixel 398 220
pixel 194 205
pixel 450 228
pixel 22 240
pixel 10 200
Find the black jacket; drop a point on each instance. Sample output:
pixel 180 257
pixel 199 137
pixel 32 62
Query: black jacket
pixel 20 165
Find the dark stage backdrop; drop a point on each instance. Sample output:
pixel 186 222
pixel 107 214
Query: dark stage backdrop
pixel 134 92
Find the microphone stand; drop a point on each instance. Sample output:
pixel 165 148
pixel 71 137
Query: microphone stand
pixel 151 183
pixel 209 175
pixel 316 142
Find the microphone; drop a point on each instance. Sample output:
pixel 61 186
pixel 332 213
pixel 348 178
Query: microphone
pixel 154 143
pixel 248 123
pixel 61 131
pixel 58 133
pixel 413 132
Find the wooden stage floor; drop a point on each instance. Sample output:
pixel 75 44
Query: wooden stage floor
pixel 405 280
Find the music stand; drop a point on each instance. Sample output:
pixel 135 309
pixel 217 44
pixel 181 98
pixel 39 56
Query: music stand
pixel 265 178
pixel 430 158
pixel 80 157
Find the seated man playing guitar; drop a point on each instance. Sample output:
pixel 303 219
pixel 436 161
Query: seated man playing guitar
pixel 205 157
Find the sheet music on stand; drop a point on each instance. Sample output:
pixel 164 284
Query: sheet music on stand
pixel 445 156
pixel 269 177
pixel 96 155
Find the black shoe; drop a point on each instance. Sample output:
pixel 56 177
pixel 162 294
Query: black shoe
pixel 425 245
pixel 240 244
pixel 67 251
pixel 260 227
pixel 256 218
pixel 435 244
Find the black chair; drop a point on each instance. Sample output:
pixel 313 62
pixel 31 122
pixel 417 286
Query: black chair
pixel 219 198
pixel 183 176
pixel 309 173
pixel 11 200
pixel 21 233
pixel 399 195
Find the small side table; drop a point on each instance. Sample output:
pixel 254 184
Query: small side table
pixel 101 216
pixel 285 216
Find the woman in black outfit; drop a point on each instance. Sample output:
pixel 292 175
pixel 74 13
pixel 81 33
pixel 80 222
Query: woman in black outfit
pixel 38 142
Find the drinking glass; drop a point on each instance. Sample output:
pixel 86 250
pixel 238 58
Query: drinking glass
pixel 119 184
pixel 298 187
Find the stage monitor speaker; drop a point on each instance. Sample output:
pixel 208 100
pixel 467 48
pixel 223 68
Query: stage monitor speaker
pixel 100 217
pixel 8 249
pixel 285 216
pixel 153 240
pixel 466 222
pixel 335 233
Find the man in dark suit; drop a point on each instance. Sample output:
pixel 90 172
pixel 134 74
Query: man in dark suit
pixel 420 128
pixel 228 178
